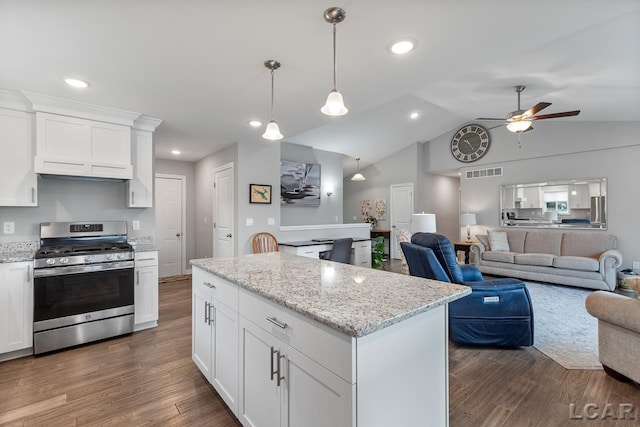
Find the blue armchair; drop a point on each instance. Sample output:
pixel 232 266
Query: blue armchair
pixel 497 312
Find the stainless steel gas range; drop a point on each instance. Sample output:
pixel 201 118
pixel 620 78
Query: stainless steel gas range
pixel 83 284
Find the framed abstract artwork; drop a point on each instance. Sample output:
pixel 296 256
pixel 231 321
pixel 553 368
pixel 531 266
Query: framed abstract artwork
pixel 299 184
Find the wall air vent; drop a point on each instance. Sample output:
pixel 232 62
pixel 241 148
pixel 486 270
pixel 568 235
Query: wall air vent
pixel 483 173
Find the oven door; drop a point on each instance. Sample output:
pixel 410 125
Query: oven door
pixel 65 293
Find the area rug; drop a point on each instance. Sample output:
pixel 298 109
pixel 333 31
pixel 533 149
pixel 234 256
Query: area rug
pixel 564 330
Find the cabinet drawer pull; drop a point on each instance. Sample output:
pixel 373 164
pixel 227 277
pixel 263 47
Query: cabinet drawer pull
pixel 209 285
pixel 275 322
pixel 146 259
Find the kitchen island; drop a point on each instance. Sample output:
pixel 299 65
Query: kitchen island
pixel 294 341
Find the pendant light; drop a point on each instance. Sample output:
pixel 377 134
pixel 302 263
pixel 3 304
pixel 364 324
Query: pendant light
pixel 335 104
pixel 272 132
pixel 358 176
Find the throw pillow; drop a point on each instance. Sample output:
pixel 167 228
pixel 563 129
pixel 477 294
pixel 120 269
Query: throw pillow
pixel 403 236
pixel 498 241
pixel 484 239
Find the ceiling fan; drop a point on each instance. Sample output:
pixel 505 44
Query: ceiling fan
pixel 520 120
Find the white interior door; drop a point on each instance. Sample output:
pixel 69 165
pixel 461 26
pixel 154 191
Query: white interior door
pixel 170 217
pixel 223 211
pixel 400 210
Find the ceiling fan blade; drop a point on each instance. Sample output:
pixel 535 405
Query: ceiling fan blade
pixel 538 107
pixel 496 126
pixel 489 118
pixel 555 115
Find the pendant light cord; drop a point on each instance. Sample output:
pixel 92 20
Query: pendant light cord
pixel 335 66
pixel 271 94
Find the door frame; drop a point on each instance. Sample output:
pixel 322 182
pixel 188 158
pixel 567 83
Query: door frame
pixel 183 214
pixel 393 239
pixel 214 199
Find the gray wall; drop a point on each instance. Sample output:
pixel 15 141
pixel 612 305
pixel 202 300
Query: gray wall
pixel 557 151
pixel 204 196
pixel 76 200
pixel 187 169
pixel 432 193
pixel 330 209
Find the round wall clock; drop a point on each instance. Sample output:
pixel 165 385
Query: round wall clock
pixel 470 143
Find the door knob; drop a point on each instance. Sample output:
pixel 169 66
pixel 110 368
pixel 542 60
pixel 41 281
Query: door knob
pixel 393 226
pixel 229 235
pixel 178 234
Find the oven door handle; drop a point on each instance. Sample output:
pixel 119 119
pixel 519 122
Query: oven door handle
pixel 79 269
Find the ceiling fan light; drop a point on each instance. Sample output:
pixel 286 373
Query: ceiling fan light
pixel 519 126
pixel 335 104
pixel 272 132
pixel 358 177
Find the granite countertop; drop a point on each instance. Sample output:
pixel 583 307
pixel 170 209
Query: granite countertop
pixel 327 241
pixel 145 247
pixel 354 300
pixel 17 256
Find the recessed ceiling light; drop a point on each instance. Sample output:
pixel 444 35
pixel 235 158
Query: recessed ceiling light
pixel 76 83
pixel 401 47
pixel 255 123
pixel 414 115
pixel 175 152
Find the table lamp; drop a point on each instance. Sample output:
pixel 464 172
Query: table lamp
pixel 468 219
pixel 423 223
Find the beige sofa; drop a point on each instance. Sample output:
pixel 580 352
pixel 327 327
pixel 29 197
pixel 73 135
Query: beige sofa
pixel 618 333
pixel 586 259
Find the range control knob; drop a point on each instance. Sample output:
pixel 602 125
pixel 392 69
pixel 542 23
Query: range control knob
pixel 88 258
pixel 64 260
pixel 120 256
pixel 51 261
pixel 110 257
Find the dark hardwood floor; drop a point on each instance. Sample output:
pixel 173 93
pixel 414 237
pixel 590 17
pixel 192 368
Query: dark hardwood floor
pixel 148 378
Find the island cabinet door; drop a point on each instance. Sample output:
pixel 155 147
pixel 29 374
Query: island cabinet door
pixel 201 336
pixel 314 396
pixel 281 387
pixel 224 373
pixel 260 388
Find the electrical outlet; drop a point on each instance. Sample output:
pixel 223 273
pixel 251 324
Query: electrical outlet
pixel 135 224
pixel 248 221
pixel 636 264
pixel 9 227
pixel 271 221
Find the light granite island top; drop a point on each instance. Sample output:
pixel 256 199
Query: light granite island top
pixel 354 300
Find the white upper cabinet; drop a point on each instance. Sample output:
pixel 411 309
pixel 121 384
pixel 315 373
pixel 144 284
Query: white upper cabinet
pixel 80 147
pixel 18 181
pixel 140 187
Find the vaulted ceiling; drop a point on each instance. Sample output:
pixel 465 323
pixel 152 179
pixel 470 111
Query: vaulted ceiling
pixel 198 65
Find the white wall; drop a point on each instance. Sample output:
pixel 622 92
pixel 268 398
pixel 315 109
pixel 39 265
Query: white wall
pixel 557 151
pixel 76 200
pixel 330 209
pixel 187 169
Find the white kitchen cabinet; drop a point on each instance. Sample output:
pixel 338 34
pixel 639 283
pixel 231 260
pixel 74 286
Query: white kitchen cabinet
pixel 140 186
pixel 18 181
pixel 215 334
pixel 16 306
pixel 360 252
pixel 81 147
pixel 146 290
pixel 283 387
pixel 361 255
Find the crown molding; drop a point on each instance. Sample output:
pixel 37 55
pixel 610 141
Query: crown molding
pixel 67 107
pixel 14 101
pixel 147 123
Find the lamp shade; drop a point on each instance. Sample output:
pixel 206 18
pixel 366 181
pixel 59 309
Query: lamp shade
pixel 423 223
pixel 467 219
pixel 358 177
pixel 272 132
pixel 335 104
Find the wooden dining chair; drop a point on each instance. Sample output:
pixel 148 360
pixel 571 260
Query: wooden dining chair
pixel 264 242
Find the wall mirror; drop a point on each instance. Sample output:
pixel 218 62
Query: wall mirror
pixel 575 203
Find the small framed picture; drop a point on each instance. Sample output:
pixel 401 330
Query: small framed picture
pixel 259 193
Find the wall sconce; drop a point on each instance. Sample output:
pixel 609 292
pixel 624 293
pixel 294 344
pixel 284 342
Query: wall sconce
pixel 330 192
